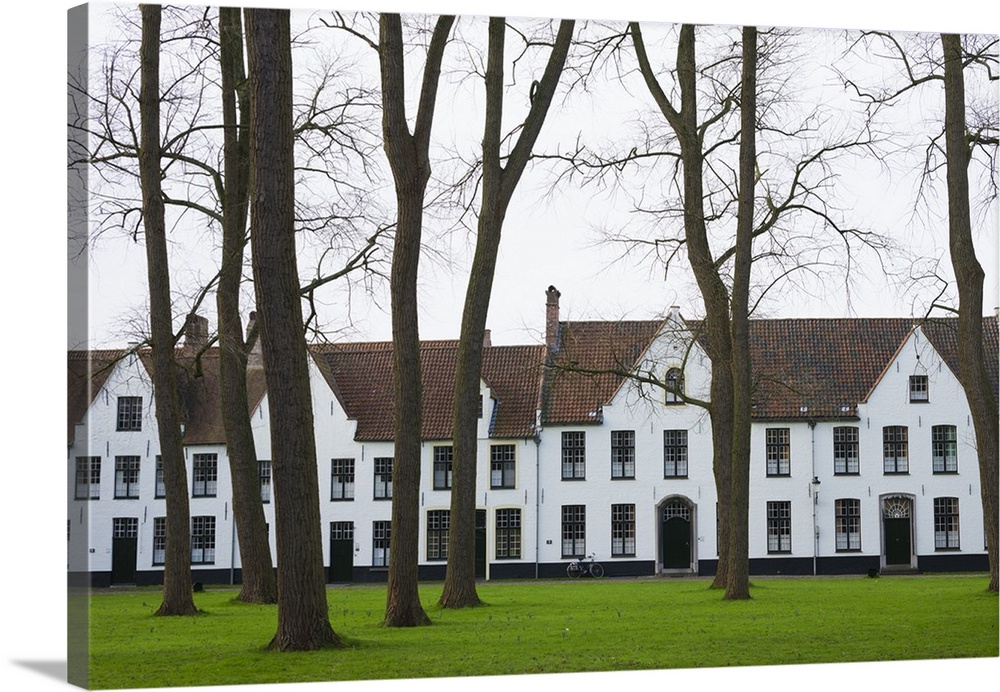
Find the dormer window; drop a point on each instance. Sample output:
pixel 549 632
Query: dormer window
pixel 674 385
pixel 918 389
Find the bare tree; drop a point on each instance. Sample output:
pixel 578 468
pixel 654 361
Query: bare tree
pixel 177 598
pixel 303 618
pixel 500 176
pixel 969 275
pixel 969 130
pixel 411 168
pixel 258 584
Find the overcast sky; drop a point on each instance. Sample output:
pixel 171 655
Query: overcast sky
pixel 35 293
pixel 557 239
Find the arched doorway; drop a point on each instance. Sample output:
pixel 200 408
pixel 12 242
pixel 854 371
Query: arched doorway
pixel 677 535
pixel 897 532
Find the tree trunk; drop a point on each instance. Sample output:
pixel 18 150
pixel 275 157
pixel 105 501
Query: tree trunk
pixel 710 284
pixel 499 183
pixel 303 618
pixel 738 574
pixel 258 584
pixel 408 158
pixel 969 278
pixel 177 598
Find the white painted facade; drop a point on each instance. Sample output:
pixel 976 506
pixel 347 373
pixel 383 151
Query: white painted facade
pixel 540 493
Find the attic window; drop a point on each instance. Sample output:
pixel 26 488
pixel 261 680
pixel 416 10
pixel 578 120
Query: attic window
pixel 674 384
pixel 129 413
pixel 918 389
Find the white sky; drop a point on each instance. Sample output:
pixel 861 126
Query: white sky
pixel 34 304
pixel 557 242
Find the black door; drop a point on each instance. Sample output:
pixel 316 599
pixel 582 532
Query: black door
pixel 677 543
pixel 480 544
pixel 341 551
pixel 124 548
pixel 897 541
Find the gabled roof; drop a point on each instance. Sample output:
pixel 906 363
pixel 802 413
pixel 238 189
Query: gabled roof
pixel 87 371
pixel 587 366
pixel 943 335
pixel 803 368
pixel 199 391
pixel 360 374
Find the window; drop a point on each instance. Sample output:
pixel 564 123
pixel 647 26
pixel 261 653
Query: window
pixel 845 451
pixel 442 467
pixel 674 384
pixel 129 413
pixel 945 523
pixel 125 527
pixel 502 466
pixel 779 527
pixel 574 455
pixel 508 534
pixel 623 530
pixel 264 473
pixel 779 461
pixel 159 540
pixel 574 530
pixel 675 453
pixel 127 478
pixel 944 449
pixel 383 478
pixel 918 389
pixel 895 458
pixel 342 479
pixel 622 454
pixel 88 478
pixel 438 522
pixel 159 485
pixel 380 543
pixel 848 524
pixel 206 475
pixel 202 540
pixel 341 530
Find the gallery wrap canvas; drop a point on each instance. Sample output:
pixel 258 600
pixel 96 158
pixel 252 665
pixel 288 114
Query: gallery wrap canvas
pixel 587 205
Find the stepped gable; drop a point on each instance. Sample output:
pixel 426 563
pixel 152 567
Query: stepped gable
pixel 87 371
pixel 360 375
pixel 585 371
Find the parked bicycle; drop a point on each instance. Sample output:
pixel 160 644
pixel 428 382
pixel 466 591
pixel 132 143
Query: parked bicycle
pixel 579 567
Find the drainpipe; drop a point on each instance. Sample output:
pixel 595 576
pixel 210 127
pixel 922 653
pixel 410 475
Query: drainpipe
pixel 538 503
pixel 814 493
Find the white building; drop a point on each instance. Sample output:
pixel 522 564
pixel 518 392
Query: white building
pixel 863 455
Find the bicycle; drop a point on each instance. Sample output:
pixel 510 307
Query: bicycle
pixel 579 567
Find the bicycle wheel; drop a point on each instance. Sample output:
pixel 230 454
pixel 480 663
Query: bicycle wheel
pixel 573 570
pixel 596 570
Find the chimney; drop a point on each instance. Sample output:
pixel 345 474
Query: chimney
pixel 552 318
pixel 486 339
pixel 675 314
pixel 195 332
pixel 255 358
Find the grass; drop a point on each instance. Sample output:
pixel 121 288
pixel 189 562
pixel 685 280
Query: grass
pixel 549 627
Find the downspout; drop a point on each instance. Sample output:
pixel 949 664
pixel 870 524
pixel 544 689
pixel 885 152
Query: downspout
pixel 538 503
pixel 814 493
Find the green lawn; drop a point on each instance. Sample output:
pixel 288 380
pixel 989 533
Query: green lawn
pixel 548 627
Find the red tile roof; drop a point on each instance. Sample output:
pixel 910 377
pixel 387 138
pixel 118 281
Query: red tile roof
pixel 803 368
pixel 588 366
pixel 361 377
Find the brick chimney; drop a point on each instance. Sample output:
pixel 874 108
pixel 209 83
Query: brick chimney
pixel 195 332
pixel 487 339
pixel 552 318
pixel 255 358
